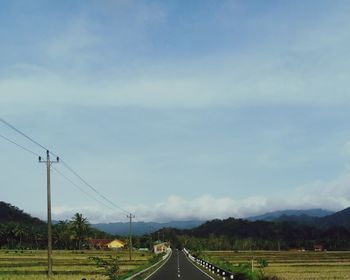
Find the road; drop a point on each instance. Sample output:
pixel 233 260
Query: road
pixel 179 267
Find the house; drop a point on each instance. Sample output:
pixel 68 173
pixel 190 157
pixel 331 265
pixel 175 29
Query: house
pixel 160 247
pixel 106 244
pixel 99 243
pixel 116 244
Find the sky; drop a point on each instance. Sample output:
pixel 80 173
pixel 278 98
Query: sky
pixel 176 110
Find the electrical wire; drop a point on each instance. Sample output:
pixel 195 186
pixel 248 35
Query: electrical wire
pixel 81 189
pixel 93 188
pixel 62 161
pixel 18 145
pixel 22 133
pixel 57 171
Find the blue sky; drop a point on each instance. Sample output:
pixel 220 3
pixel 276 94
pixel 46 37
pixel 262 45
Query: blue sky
pixel 178 109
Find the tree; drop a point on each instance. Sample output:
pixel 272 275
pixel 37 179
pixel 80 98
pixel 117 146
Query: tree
pixel 2 234
pixel 19 231
pixel 110 266
pixel 80 228
pixel 61 235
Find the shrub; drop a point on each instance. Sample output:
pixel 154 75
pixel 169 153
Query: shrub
pixel 110 266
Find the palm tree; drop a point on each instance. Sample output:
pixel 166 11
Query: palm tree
pixel 62 232
pixel 19 231
pixel 10 233
pixel 38 236
pixel 80 228
pixel 2 234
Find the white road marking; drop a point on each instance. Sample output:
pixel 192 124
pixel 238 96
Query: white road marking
pixel 178 264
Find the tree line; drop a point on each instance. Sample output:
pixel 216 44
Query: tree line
pixel 71 234
pixel 238 234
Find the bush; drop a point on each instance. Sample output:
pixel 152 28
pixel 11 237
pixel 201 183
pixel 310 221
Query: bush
pixel 156 258
pixel 110 266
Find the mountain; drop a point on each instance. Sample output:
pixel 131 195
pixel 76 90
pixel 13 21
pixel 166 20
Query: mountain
pixel 276 215
pixel 299 219
pixel 140 228
pixel 239 234
pixel 303 231
pixel 10 213
pixel 339 219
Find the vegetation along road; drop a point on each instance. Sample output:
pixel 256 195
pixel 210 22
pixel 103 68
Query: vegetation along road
pixel 179 267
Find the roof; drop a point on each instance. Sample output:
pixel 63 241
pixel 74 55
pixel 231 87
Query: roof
pixel 100 241
pixel 117 241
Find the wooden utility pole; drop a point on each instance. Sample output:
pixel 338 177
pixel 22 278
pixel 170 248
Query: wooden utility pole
pixel 130 216
pixel 49 234
pixel 150 238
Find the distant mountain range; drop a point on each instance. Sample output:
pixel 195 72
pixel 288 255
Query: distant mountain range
pixel 317 218
pixel 140 228
pixel 284 214
pixel 298 230
pixel 310 216
pixel 303 231
pixel 338 219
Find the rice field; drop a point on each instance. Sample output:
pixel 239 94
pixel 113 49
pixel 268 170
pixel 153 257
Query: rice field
pixel 67 265
pixel 293 265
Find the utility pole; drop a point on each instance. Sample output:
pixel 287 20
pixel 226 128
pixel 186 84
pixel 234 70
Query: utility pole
pixel 150 238
pixel 130 216
pixel 49 235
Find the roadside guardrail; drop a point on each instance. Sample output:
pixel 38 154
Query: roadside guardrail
pixel 210 267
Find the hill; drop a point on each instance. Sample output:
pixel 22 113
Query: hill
pixel 287 232
pixel 338 219
pixel 20 230
pixel 276 215
pixel 10 213
pixel 140 228
pixel 341 218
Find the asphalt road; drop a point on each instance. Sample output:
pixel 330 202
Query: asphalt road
pixel 178 267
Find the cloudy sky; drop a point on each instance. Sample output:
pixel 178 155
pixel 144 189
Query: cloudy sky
pixel 177 109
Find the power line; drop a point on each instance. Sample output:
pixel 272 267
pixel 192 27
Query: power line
pixel 60 173
pixel 18 145
pixel 63 163
pixel 81 189
pixel 22 133
pixel 92 188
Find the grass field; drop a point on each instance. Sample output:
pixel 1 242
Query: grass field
pixel 293 265
pixel 67 265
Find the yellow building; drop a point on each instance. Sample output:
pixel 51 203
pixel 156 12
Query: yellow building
pixel 116 244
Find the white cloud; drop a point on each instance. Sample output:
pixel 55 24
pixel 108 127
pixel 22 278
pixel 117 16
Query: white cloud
pixel 332 195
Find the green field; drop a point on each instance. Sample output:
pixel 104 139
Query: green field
pixel 67 265
pixel 292 265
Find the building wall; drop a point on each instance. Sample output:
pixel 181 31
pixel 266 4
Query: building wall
pixel 116 244
pixel 160 248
